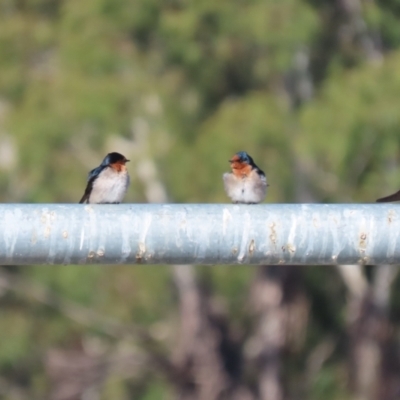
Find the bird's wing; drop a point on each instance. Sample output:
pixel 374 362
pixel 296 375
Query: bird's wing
pixel 260 172
pixel 88 190
pixel 392 197
pixel 93 174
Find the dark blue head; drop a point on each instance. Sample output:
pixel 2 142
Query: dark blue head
pixel 241 161
pixel 244 157
pixel 109 159
pixel 114 158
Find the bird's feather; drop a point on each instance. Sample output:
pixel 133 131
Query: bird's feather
pixel 392 197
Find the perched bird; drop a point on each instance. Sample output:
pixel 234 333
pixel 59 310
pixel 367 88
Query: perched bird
pixel 108 183
pixel 246 183
pixel 392 197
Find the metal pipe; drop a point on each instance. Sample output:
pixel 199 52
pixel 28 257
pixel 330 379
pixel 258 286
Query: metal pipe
pixel 302 234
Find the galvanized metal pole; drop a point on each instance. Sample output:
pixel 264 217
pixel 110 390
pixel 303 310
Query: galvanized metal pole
pixel 302 234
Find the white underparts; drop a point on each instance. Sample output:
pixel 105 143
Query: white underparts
pixel 248 189
pixel 110 186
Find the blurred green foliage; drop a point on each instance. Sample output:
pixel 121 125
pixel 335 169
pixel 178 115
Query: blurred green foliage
pixel 202 79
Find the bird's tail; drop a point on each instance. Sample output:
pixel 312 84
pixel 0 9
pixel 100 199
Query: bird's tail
pixel 83 199
pixel 392 197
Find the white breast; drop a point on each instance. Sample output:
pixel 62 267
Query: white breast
pixel 250 189
pixel 110 186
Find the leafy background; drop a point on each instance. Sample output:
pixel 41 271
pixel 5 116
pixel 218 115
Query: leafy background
pixel 309 88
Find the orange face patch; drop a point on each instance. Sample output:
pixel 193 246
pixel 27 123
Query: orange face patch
pixel 240 169
pixel 118 166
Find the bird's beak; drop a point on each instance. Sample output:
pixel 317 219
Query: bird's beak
pixel 127 160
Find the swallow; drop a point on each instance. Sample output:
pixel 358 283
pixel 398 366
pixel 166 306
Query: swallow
pixel 246 184
pixel 392 197
pixel 108 183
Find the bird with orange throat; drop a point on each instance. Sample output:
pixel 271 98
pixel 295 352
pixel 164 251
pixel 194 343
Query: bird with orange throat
pixel 108 183
pixel 246 184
